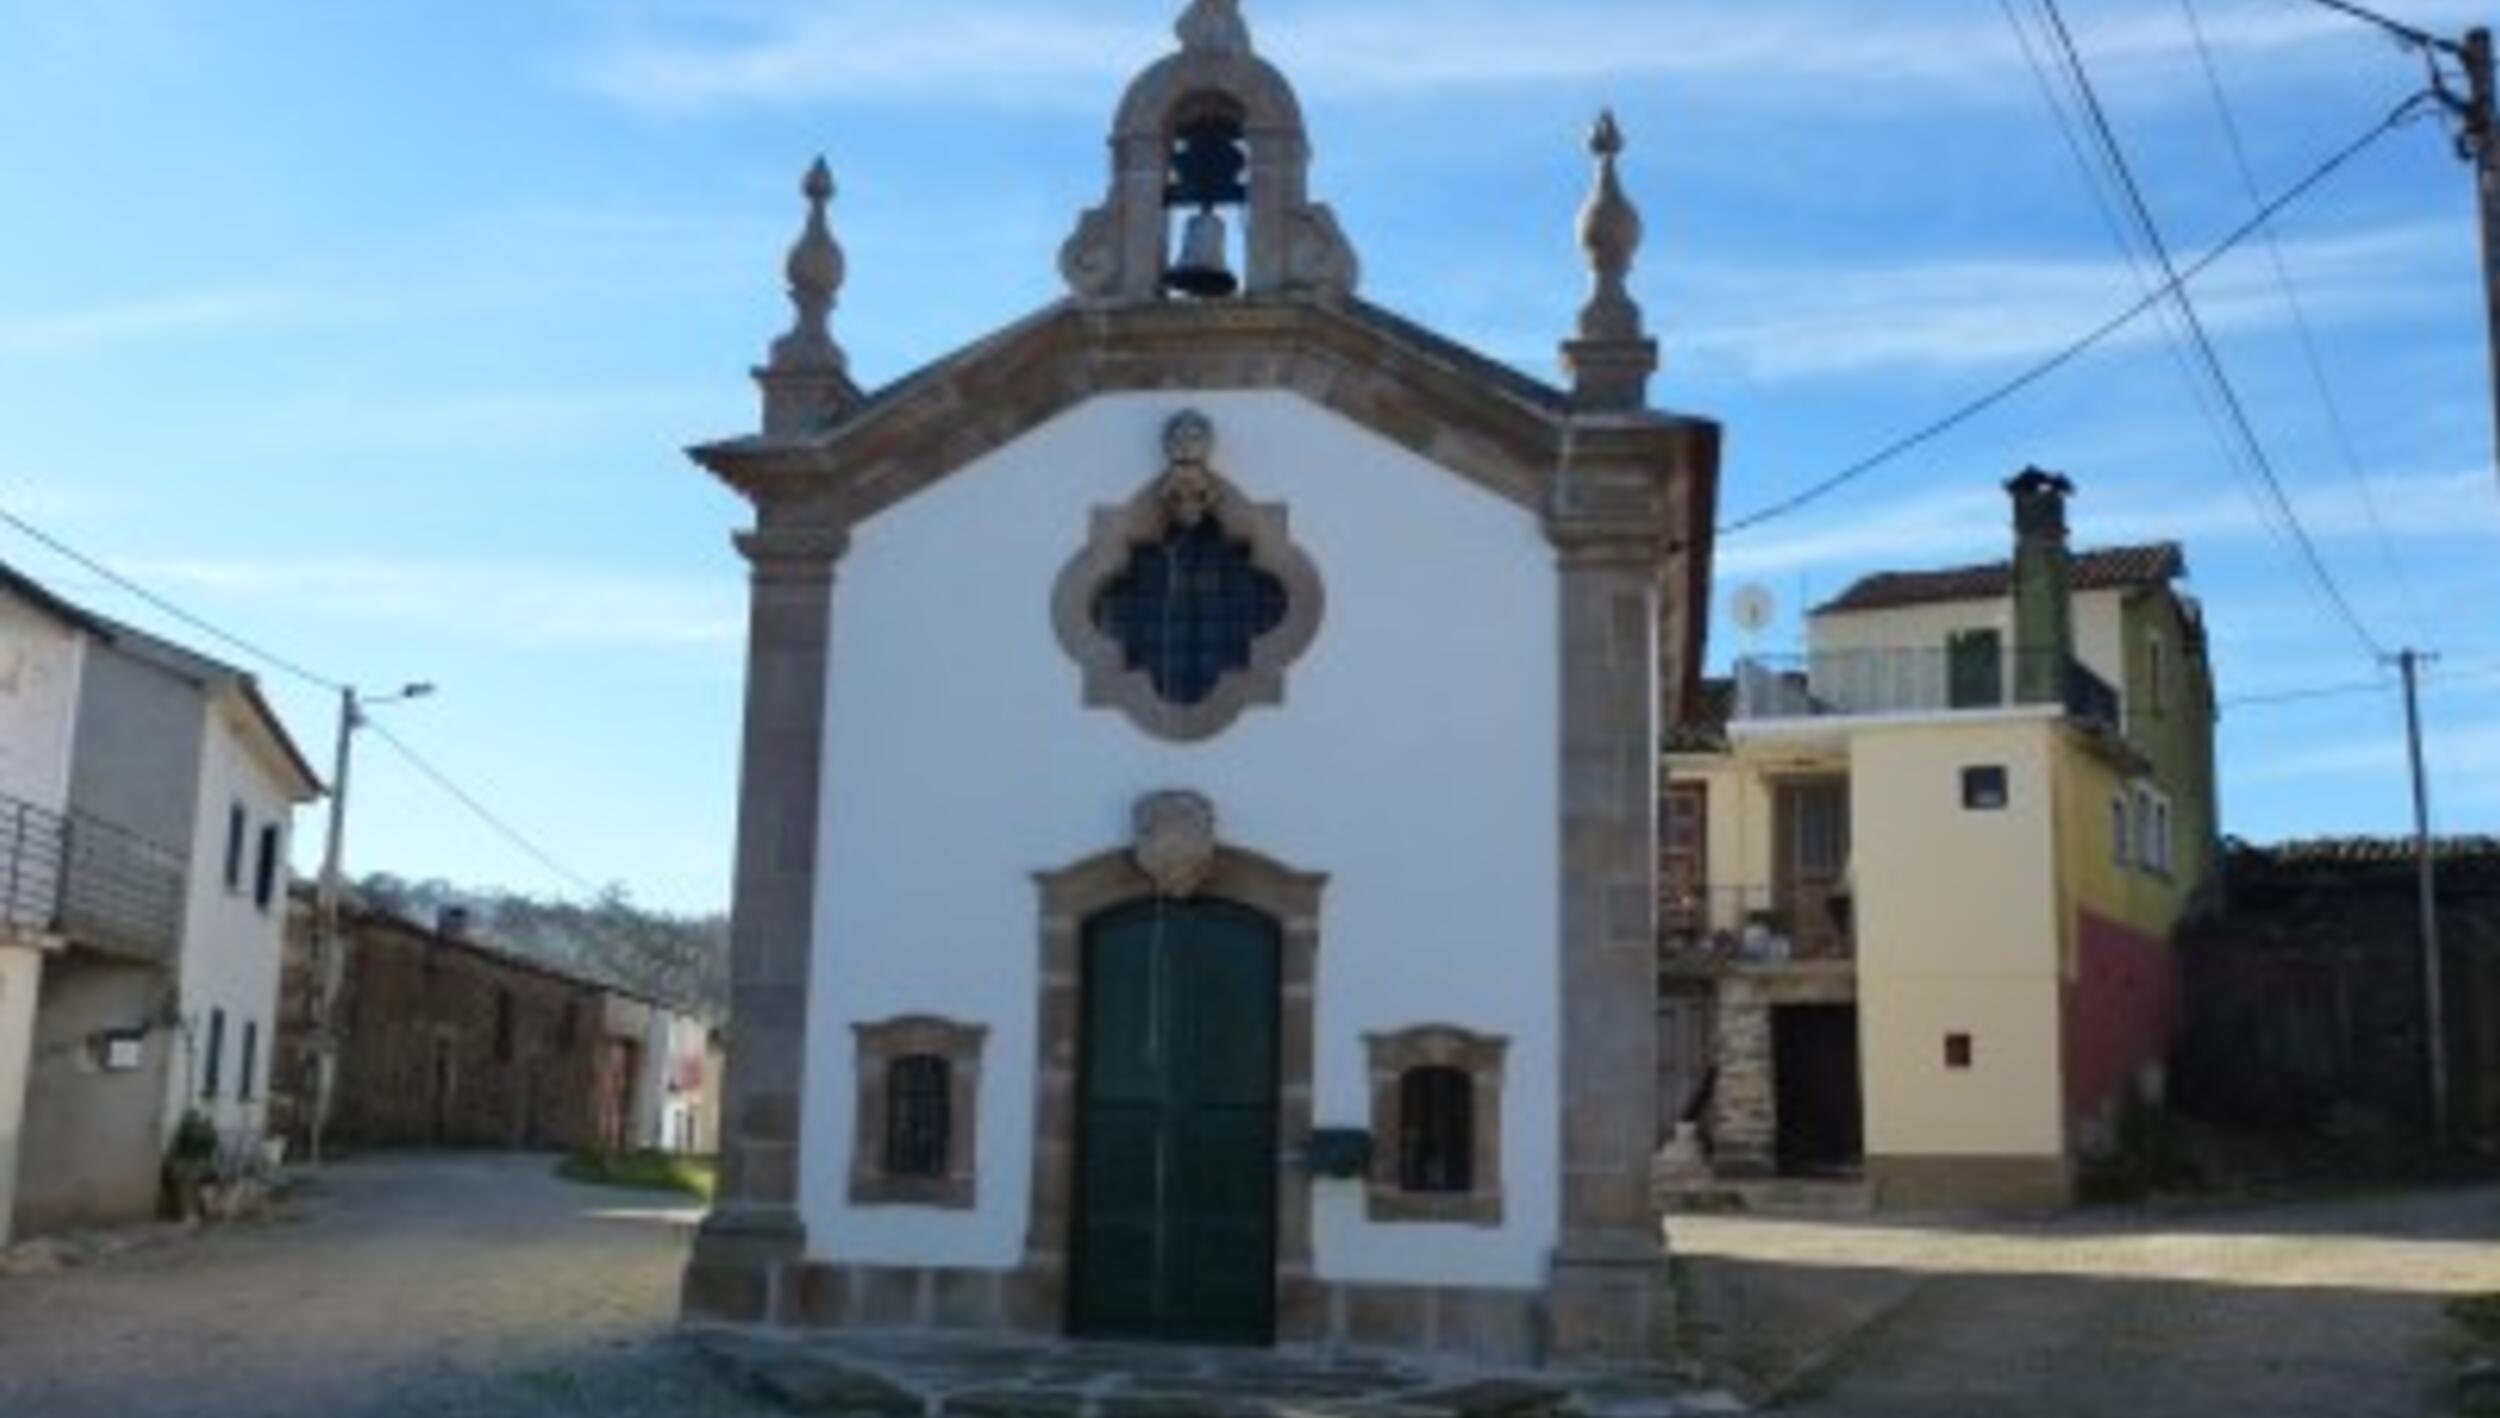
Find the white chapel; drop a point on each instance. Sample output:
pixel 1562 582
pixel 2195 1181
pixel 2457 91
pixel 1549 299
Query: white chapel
pixel 1197 872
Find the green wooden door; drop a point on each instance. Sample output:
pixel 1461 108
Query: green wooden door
pixel 1175 1234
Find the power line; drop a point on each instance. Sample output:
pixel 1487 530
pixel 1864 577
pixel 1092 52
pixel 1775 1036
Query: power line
pixel 253 649
pixel 2100 180
pixel 2482 674
pixel 484 814
pixel 2212 358
pixel 2001 393
pixel 2331 406
pixel 297 670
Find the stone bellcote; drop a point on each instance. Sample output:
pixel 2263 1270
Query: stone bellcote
pixel 1215 93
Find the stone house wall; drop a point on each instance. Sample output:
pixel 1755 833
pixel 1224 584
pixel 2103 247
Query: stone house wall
pixel 449 1044
pixel 2308 995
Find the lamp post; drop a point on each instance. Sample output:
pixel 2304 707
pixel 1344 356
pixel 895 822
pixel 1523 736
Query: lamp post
pixel 328 959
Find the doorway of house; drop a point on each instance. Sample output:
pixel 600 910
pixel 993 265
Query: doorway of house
pixel 1815 1071
pixel 1175 1223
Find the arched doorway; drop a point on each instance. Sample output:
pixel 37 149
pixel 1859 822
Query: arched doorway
pixel 1174 1234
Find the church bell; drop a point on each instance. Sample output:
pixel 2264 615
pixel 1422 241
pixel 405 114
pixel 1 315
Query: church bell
pixel 1203 269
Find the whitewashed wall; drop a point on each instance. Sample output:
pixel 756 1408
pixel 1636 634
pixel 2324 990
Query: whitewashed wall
pixel 230 944
pixel 40 661
pixel 1416 763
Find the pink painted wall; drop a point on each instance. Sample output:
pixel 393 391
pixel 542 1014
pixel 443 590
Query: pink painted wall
pixel 2122 1012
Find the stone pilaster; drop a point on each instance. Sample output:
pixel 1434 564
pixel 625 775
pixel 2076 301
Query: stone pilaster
pixel 754 1238
pixel 1610 1300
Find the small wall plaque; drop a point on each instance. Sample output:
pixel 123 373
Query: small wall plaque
pixel 1344 1154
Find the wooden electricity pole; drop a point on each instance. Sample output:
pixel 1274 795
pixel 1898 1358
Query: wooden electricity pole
pixel 2426 866
pixel 2477 111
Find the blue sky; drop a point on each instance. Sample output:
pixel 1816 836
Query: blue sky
pixel 374 332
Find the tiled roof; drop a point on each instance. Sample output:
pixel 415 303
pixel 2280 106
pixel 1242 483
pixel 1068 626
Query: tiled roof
pixel 2107 568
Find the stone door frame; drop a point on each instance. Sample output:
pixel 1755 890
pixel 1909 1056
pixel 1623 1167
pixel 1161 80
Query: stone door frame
pixel 1070 900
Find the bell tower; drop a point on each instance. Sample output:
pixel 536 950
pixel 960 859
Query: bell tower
pixel 1207 136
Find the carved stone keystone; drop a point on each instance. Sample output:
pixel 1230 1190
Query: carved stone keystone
pixel 1175 845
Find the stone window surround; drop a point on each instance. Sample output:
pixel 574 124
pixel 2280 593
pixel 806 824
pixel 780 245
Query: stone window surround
pixel 882 1044
pixel 1393 1056
pixel 1073 897
pixel 1144 520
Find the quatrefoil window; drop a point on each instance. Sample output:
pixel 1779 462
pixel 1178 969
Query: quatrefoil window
pixel 1189 603
pixel 1188 609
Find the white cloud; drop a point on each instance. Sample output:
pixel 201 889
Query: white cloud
pixel 479 265
pixel 1792 52
pixel 1788 323
pixel 520 606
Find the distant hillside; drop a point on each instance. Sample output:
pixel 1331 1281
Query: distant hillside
pixel 683 960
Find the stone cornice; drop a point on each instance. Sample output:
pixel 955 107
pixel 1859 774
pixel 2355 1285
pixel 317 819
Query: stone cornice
pixel 1498 429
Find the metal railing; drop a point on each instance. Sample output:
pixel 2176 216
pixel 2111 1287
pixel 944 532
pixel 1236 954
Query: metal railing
pixel 1845 683
pixel 88 881
pixel 1760 924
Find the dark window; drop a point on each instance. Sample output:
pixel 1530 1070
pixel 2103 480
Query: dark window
pixel 1975 670
pixel 1188 609
pixel 503 1026
pixel 251 1060
pixel 265 874
pixel 236 826
pixel 1984 789
pixel 1436 1130
pixel 919 1115
pixel 569 1027
pixel 215 1059
pixel 1957 1051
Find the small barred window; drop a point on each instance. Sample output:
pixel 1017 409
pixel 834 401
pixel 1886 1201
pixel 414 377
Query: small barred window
pixel 1188 608
pixel 1437 1130
pixel 919 1116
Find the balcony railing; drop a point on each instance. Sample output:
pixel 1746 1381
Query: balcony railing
pixel 1760 924
pixel 88 881
pixel 1848 683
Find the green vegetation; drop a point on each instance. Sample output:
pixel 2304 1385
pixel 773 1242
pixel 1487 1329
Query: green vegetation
pixel 641 1171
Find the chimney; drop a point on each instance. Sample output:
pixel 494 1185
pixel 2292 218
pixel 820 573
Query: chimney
pixel 2044 608
pixel 452 922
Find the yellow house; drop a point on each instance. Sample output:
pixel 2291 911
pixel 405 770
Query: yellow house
pixel 1921 882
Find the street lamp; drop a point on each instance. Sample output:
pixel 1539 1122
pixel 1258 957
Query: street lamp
pixel 328 960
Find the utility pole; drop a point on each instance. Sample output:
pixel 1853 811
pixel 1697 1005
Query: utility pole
pixel 2478 146
pixel 329 957
pixel 2427 869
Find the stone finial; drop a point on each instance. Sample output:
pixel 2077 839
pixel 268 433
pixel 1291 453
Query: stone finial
pixel 816 272
pixel 1610 231
pixel 807 381
pixel 1613 357
pixel 1214 27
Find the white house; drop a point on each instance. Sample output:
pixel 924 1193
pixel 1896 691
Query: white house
pixel 1196 874
pixel 146 796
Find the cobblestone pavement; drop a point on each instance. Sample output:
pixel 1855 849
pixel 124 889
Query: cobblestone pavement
pixel 2326 1307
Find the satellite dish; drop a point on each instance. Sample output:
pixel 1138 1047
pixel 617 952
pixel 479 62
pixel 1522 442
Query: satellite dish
pixel 1752 608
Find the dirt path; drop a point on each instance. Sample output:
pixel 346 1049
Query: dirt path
pixel 2329 1308
pixel 389 1277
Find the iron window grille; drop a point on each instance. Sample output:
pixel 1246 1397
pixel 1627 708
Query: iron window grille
pixel 1437 1131
pixel 919 1116
pixel 1188 609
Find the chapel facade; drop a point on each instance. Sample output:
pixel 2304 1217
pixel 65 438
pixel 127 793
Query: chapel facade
pixel 1196 874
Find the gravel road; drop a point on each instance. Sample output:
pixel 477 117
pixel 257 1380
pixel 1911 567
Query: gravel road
pixel 453 1286
pixel 431 1284
pixel 2325 1307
